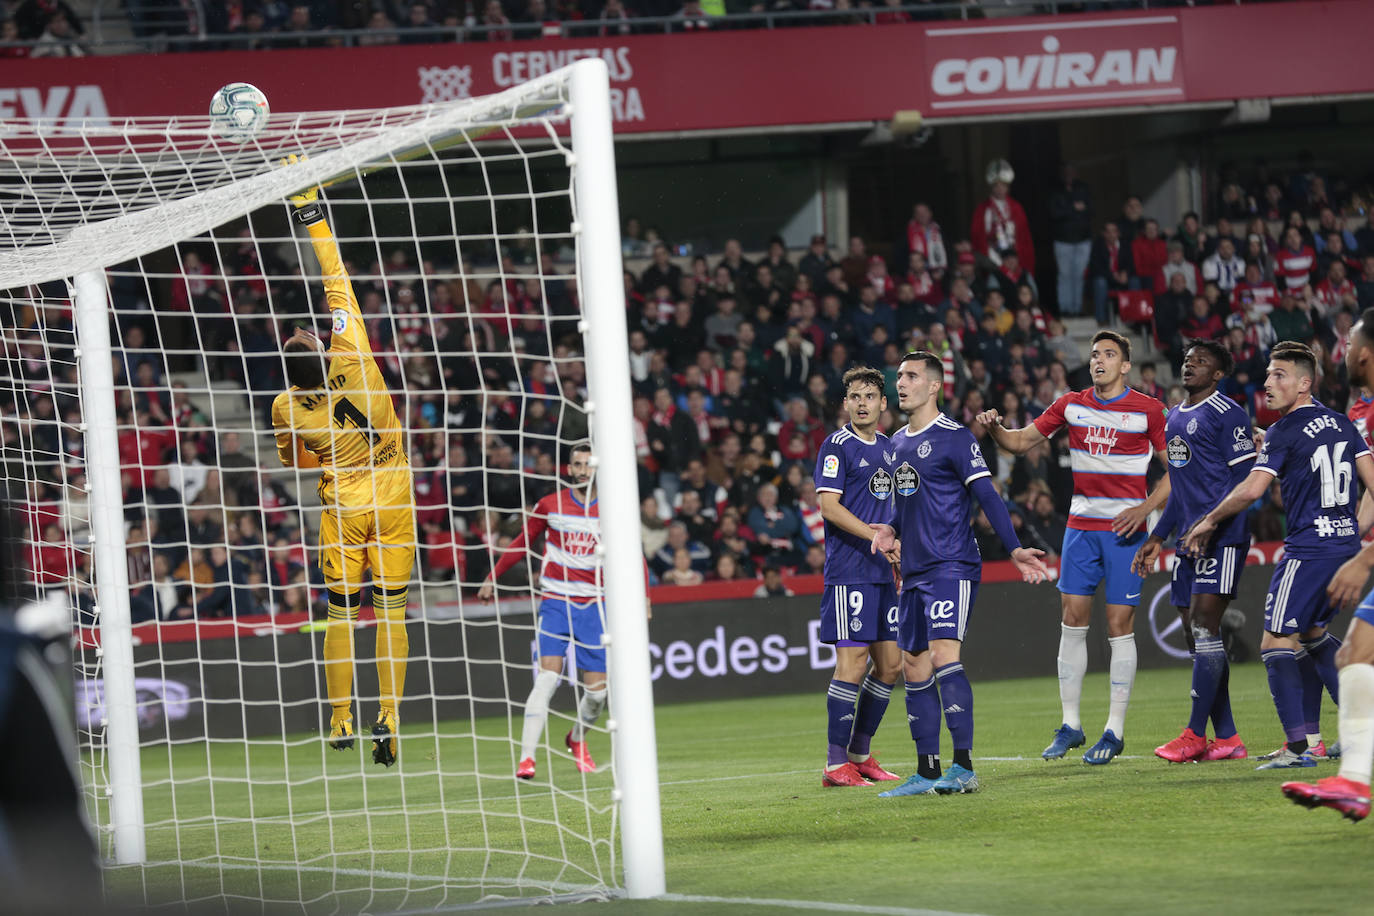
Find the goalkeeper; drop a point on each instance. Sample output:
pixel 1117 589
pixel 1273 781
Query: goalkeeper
pixel 337 415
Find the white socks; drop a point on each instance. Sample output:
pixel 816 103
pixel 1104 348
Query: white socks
pixel 589 710
pixel 537 712
pixel 1357 721
pixel 1122 672
pixel 1073 664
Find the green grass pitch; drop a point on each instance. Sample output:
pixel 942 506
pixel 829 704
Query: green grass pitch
pixel 746 822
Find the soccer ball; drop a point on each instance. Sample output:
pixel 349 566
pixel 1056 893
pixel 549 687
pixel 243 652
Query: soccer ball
pixel 238 111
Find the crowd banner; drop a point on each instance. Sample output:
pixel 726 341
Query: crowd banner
pixel 732 79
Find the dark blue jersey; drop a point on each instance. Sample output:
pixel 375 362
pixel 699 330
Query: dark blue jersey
pixel 1312 450
pixel 1210 450
pixel 932 469
pixel 857 471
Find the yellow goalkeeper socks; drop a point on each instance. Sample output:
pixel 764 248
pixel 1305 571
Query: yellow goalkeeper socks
pixel 393 644
pixel 338 651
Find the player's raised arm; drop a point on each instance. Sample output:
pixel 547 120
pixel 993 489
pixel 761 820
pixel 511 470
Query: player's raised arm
pixel 1016 441
pixel 1238 500
pixel 347 328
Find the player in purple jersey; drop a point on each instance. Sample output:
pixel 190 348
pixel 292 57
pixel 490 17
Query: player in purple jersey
pixel 1210 450
pixel 1348 791
pixel 1315 452
pixel 859 608
pixel 937 469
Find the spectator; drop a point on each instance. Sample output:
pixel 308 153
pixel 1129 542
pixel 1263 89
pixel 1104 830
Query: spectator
pixel 1176 263
pixel 1191 236
pixel 816 262
pixel 792 364
pixel 727 569
pixel 1364 286
pixel 682 571
pixel 1224 268
pixel 1149 253
pixel 1172 308
pixel 1294 263
pixel 999 222
pixel 854 265
pixel 1337 250
pixel 1202 323
pixel 1291 320
pixel 379 30
pixel 1255 294
pixel 923 237
pixel 617 19
pixel 59 39
pixel 1048 524
pixel 1071 215
pixel 1109 270
pixel 32 17
pixel 1335 292
pixel 673 441
pixel 1131 223
pixel 661 272
pixel 496 27
pixel 1148 384
pixel 691 18
pixel 680 539
pixel 778 528
pixel 772 585
pixel 9 36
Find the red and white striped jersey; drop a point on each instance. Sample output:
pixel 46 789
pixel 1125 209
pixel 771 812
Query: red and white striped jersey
pixel 1110 445
pixel 571 570
pixel 1294 268
pixel 1360 412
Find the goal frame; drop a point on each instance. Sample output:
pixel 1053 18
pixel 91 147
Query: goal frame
pixel 597 232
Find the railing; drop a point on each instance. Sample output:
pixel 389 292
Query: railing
pixel 157 24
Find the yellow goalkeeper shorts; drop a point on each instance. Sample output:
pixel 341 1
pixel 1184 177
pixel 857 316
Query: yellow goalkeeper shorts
pixel 382 540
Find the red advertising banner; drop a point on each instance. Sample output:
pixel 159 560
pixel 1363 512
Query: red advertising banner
pixel 1053 63
pixel 713 81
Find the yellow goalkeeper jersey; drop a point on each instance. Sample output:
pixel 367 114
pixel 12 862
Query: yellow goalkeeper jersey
pixel 350 426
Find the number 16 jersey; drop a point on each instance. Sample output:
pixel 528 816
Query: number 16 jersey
pixel 1312 450
pixel 350 425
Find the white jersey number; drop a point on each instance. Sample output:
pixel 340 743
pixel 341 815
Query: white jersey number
pixel 1336 474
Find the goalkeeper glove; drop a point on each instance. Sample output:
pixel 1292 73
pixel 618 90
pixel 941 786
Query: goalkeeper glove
pixel 307 202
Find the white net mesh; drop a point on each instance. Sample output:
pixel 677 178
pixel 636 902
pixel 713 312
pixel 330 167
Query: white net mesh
pixel 458 226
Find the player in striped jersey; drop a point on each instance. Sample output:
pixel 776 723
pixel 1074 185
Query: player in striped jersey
pixel 1315 453
pixel 1112 432
pixel 1210 451
pixel 859 608
pixel 1348 791
pixel 570 611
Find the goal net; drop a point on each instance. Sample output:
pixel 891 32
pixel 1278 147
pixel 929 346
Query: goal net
pixel 150 272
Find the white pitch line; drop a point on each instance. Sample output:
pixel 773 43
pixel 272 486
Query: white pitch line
pixel 811 905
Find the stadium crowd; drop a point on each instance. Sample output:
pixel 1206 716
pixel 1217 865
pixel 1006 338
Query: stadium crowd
pixel 736 367
pixel 53 28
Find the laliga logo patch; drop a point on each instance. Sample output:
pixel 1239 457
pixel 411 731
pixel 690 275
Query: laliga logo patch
pixel 831 466
pixel 1192 426
pixel 340 321
pixel 923 450
pixel 1179 453
pixel 880 484
pixel 906 480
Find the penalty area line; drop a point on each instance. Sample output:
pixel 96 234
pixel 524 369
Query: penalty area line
pixel 828 906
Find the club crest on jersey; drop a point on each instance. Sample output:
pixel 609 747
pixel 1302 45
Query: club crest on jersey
pixel 923 450
pixel 880 484
pixel 906 480
pixel 978 460
pixel 340 321
pixel 1179 453
pixel 831 466
pixel 1100 440
pixel 1192 426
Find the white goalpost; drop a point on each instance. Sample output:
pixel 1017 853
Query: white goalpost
pixel 149 274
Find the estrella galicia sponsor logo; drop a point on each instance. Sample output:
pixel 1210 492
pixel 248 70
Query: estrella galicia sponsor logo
pixel 906 480
pixel 880 484
pixel 1179 453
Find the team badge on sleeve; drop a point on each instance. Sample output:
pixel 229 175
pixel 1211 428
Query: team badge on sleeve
pixel 831 466
pixel 340 321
